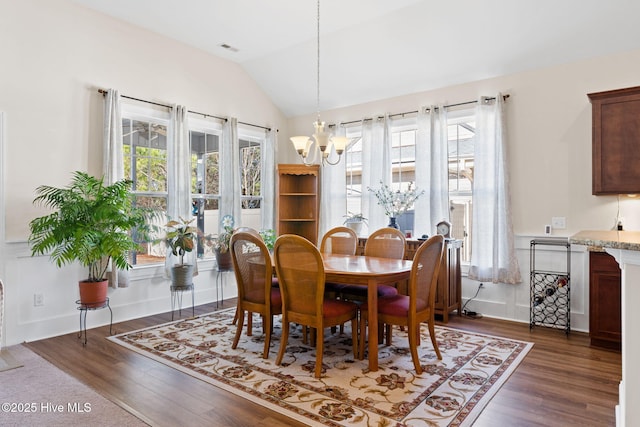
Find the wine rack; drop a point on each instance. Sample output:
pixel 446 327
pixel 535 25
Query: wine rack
pixel 550 288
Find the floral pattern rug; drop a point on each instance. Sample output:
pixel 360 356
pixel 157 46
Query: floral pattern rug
pixel 450 392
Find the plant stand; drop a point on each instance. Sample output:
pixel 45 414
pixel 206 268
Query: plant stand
pixel 220 284
pixel 83 317
pixel 176 299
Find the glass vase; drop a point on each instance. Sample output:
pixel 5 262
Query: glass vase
pixel 393 223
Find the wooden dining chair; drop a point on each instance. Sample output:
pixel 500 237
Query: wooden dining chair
pixel 416 307
pixel 383 243
pixel 254 271
pixel 386 242
pixel 274 280
pixel 300 270
pixel 339 240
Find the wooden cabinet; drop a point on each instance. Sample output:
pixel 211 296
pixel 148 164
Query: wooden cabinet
pixel 605 321
pixel 616 141
pixel 449 288
pixel 298 202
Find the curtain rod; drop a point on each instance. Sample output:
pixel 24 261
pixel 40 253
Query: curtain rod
pixel 504 97
pixel 104 92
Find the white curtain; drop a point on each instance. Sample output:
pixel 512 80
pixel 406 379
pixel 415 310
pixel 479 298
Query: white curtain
pixel 376 168
pixel 179 188
pixel 230 203
pixel 333 191
pixel 113 164
pixel 1 311
pixel 432 162
pixel 269 151
pixel 493 255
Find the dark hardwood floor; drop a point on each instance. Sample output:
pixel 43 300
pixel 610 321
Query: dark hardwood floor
pixel 561 382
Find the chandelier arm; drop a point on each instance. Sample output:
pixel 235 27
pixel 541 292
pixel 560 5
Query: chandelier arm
pixel 326 160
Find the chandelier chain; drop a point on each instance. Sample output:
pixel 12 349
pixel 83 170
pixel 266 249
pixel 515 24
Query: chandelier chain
pixel 318 65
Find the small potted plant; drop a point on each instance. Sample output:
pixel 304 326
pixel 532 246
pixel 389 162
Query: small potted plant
pixel 181 238
pixel 269 238
pixel 220 243
pixel 92 224
pixel 354 221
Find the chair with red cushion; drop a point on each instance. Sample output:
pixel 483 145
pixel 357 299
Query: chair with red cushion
pixel 254 271
pixel 300 270
pixel 383 243
pixel 416 307
pixel 274 280
pixel 342 241
pixel 338 240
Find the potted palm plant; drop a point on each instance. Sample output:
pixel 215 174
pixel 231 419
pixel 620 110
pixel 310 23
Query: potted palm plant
pixel 181 238
pixel 92 224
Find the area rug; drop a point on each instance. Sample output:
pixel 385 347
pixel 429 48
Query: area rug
pixel 38 394
pixel 7 361
pixel 450 392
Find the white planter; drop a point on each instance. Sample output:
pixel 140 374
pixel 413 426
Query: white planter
pixel 355 226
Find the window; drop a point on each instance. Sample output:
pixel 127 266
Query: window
pixel 205 183
pixel 461 133
pixel 251 179
pixel 145 163
pixel 353 165
pixel 205 139
pixel 403 163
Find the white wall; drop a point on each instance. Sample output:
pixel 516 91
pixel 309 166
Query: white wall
pixel 549 131
pixel 55 56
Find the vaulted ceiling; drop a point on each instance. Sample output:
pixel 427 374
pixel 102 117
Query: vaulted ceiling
pixel 375 49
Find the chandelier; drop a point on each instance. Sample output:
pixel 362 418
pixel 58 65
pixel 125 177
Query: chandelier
pixel 322 140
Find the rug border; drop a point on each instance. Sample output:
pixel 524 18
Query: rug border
pixel 471 417
pixel 201 377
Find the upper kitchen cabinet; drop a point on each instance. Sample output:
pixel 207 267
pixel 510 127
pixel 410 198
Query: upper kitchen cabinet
pixel 616 141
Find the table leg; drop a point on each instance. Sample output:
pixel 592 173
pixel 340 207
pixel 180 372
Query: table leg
pixel 372 302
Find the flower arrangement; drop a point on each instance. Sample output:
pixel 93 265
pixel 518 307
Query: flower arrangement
pixel 220 242
pixel 395 203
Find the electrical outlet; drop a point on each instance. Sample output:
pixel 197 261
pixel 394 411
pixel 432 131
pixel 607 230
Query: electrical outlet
pixel 559 222
pixel 38 300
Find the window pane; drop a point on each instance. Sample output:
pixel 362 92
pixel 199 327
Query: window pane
pixel 251 182
pixel 353 164
pixel 461 133
pixel 205 185
pixel 145 163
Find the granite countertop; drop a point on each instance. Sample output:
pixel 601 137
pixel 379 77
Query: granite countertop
pixel 629 240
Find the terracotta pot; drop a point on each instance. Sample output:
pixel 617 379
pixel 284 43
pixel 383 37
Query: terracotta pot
pixel 224 261
pixel 93 294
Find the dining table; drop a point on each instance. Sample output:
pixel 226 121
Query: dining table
pixel 370 272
